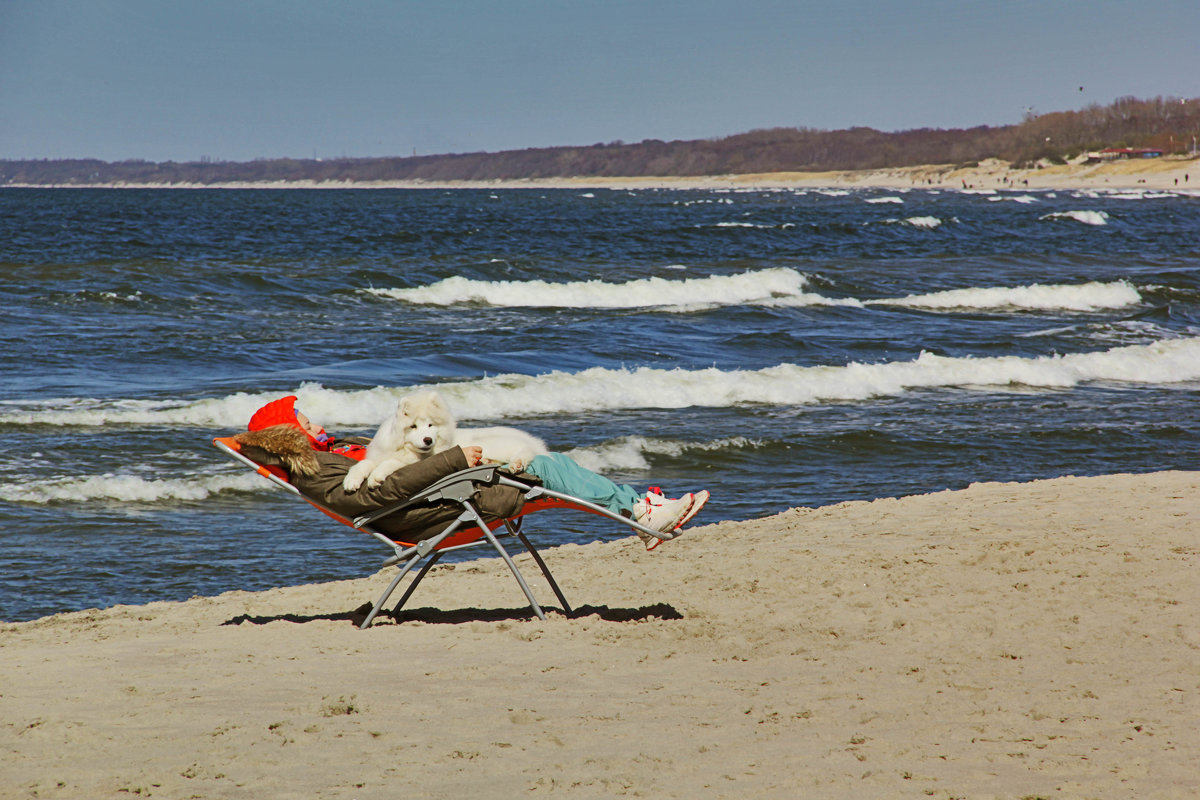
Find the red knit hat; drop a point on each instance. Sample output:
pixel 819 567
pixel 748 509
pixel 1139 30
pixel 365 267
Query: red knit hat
pixel 276 412
pixel 283 412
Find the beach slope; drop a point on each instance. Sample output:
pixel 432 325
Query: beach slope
pixel 1006 640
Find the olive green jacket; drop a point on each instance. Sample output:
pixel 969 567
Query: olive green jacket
pixel 318 475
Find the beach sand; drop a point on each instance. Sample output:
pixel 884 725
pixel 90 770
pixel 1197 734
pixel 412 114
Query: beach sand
pixel 1167 173
pixel 1007 640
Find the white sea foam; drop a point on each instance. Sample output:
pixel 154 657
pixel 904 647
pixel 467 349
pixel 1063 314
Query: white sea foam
pixel 1058 297
pixel 1140 194
pixel 509 396
pixel 631 452
pixel 1020 198
pixel 929 223
pixel 128 488
pixel 783 226
pixel 768 286
pixel 626 454
pixel 884 200
pixel 1086 217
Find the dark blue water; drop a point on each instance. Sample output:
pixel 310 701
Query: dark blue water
pixel 778 348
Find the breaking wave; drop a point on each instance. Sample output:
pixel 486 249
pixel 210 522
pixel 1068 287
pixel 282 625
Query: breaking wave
pixel 1086 217
pixel 774 286
pixel 128 488
pixel 515 396
pixel 928 223
pixel 1092 296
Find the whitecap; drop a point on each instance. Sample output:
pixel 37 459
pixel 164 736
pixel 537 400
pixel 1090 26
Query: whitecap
pixel 629 453
pixel 127 488
pixel 1024 199
pixel 1086 217
pixel 884 200
pixel 599 389
pixel 761 287
pixel 1049 297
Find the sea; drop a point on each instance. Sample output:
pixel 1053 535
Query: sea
pixel 780 348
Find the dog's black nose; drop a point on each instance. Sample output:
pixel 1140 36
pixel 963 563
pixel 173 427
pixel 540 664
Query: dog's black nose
pixel 428 441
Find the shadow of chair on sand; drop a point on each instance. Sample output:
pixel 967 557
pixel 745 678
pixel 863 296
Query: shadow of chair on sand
pixel 458 616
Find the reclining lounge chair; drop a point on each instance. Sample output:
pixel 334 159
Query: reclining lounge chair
pixel 469 529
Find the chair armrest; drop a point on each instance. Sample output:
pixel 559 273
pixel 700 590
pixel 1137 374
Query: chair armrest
pixel 457 487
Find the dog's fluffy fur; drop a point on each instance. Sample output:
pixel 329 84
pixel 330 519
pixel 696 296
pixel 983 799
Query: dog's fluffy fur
pixel 421 425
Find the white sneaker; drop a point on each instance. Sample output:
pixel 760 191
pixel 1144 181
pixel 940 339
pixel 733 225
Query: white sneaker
pixel 660 513
pixel 698 501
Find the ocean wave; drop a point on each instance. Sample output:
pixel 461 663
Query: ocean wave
pixel 769 286
pixel 1092 296
pixel 778 287
pixel 1086 217
pixel 630 453
pixel 626 454
pixel 599 389
pixel 127 488
pixel 884 200
pixel 929 223
pixel 1118 333
pixel 756 225
pixel 1126 194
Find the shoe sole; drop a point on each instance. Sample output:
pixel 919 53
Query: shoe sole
pixel 698 501
pixel 687 514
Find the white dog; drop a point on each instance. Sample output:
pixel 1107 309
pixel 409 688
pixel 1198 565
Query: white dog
pixel 422 425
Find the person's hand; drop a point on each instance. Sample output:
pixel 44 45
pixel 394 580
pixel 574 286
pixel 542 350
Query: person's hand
pixel 473 454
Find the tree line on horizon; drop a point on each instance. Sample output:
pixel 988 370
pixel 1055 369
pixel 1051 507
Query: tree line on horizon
pixel 1165 123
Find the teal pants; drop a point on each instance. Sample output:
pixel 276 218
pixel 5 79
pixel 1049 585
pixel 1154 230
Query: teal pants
pixel 560 473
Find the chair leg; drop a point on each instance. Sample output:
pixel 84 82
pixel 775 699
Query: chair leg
pixel 412 562
pixel 423 549
pixel 491 537
pixel 412 587
pixel 542 564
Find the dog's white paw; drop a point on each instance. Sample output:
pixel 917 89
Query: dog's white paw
pixel 380 472
pixel 519 460
pixel 354 478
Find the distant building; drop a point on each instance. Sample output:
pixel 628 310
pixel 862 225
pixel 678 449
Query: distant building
pixel 1114 153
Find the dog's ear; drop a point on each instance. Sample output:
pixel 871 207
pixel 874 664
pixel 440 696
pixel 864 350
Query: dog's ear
pixel 438 405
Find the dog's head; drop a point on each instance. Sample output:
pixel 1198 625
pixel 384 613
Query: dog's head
pixel 425 423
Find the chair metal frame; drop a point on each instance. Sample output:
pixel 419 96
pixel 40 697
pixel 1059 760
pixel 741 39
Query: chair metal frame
pixel 470 525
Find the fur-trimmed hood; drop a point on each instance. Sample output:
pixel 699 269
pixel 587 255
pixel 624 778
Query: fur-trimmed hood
pixel 281 445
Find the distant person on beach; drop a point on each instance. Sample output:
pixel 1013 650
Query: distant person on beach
pixel 317 464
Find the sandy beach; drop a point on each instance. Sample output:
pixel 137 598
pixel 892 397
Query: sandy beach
pixel 1007 640
pixel 1168 173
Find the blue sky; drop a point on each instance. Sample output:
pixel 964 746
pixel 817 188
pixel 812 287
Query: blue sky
pixel 243 79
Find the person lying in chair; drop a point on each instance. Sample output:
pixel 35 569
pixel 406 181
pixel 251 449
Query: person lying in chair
pixel 317 464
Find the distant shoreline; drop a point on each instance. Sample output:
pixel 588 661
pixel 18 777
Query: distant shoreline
pixel 1166 173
